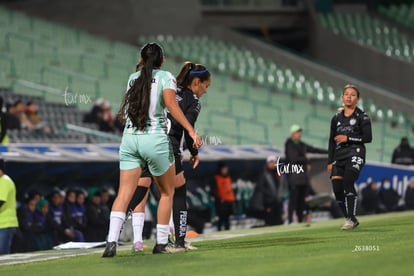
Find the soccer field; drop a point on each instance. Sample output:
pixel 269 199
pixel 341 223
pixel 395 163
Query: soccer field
pixel 382 245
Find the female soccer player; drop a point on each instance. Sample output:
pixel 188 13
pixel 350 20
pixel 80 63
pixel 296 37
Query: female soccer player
pixel 350 130
pixel 193 82
pixel 145 143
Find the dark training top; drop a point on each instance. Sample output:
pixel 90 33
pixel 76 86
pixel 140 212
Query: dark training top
pixel 356 127
pixel 191 107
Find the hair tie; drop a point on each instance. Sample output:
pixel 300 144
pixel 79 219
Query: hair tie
pixel 192 72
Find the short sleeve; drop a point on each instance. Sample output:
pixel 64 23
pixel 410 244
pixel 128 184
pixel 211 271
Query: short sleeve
pixel 169 81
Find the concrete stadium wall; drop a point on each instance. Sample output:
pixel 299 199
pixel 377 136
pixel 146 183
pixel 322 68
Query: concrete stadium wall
pixel 122 19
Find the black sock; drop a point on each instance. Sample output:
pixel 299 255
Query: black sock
pixel 180 214
pixel 138 196
pixel 338 188
pixel 351 204
pixel 351 197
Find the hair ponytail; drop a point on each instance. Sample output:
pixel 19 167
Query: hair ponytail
pixel 137 99
pixel 190 71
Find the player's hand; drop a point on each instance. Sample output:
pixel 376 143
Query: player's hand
pixel 194 160
pixel 341 138
pixel 329 168
pixel 197 141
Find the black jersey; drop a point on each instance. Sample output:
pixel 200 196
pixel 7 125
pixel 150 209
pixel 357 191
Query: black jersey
pixel 356 127
pixel 190 105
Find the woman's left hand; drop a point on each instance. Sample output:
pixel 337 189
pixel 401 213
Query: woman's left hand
pixel 194 160
pixel 341 138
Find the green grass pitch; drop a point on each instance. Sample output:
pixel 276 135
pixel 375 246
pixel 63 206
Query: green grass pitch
pixel 382 245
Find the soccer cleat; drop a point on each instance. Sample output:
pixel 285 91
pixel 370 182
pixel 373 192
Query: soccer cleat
pixel 138 247
pixel 110 250
pixel 167 248
pixel 355 222
pixel 189 247
pixel 348 225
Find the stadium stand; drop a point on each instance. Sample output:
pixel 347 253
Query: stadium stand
pixel 403 14
pixel 371 32
pixel 252 100
pixel 285 95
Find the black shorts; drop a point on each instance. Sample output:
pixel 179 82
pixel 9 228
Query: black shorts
pixel 355 163
pixel 178 167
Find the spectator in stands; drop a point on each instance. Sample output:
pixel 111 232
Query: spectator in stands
pixel 224 196
pixel 62 228
pixel 4 139
pixel 296 154
pixel 26 217
pixel 388 197
pixel 32 114
pixel 98 220
pixel 20 111
pixel 8 217
pixel 81 219
pixel 77 218
pixel 106 201
pixel 108 118
pixel 12 121
pixel 409 196
pixel 34 224
pixel 272 192
pixel 403 154
pixel 370 199
pixel 101 115
pixel 43 238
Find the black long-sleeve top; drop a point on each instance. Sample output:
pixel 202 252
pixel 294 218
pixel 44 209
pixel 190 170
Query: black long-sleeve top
pixel 190 105
pixel 356 127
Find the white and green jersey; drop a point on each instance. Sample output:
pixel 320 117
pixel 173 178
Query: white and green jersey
pixel 157 119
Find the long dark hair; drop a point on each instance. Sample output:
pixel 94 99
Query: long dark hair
pixel 137 99
pixel 190 71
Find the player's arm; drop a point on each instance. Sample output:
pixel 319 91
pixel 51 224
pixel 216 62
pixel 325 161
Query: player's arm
pixel 191 113
pixel 332 143
pixel 366 132
pixel 176 112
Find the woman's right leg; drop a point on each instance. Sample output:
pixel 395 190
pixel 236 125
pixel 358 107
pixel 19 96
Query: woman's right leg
pixel 338 189
pixel 128 181
pixel 166 188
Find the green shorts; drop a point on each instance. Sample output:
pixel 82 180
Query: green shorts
pixel 140 150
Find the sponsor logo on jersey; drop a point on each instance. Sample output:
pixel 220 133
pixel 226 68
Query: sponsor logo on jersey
pixel 352 121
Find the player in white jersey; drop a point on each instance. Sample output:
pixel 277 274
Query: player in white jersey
pixel 145 143
pixel 193 82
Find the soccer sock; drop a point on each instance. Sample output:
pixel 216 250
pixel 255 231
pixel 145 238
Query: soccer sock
pixel 138 226
pixel 351 204
pixel 180 214
pixel 138 196
pixel 351 198
pixel 338 188
pixel 162 234
pixel 116 220
pixel 171 224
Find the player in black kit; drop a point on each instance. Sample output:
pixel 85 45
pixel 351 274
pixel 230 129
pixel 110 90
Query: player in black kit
pixel 192 82
pixel 350 130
